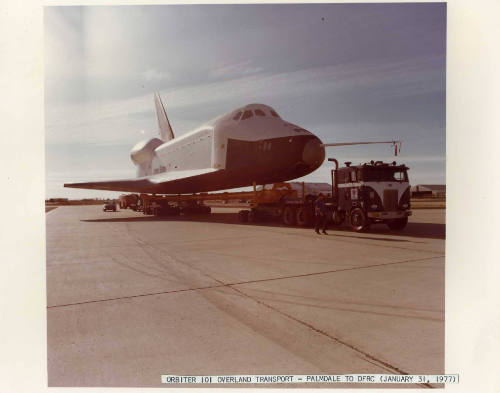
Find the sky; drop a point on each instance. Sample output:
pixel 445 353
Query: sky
pixel 346 72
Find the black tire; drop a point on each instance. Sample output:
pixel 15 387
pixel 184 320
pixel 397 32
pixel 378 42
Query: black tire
pixel 253 216
pixel 397 224
pixel 338 218
pixel 358 220
pixel 303 216
pixel 243 216
pixel 289 215
pixel 310 198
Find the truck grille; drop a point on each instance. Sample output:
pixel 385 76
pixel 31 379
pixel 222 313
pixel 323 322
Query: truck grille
pixel 390 200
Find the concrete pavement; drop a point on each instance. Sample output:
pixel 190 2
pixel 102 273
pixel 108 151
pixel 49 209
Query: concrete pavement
pixel 131 297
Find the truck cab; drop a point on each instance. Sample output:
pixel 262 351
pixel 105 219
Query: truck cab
pixel 370 193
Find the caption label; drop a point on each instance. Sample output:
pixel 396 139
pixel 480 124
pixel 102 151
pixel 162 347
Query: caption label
pixel 343 378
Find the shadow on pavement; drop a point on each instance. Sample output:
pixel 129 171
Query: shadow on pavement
pixel 413 229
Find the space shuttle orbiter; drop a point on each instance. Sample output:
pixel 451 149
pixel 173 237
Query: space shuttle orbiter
pixel 250 144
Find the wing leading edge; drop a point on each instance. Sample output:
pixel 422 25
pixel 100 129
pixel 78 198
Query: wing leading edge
pixel 158 183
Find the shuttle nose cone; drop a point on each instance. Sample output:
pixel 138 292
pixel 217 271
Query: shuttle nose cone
pixel 313 153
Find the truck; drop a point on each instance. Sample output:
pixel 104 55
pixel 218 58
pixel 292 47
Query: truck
pixel 370 193
pixel 362 195
pixel 109 205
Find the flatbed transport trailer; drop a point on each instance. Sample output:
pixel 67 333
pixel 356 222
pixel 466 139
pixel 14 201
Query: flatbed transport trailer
pixel 366 194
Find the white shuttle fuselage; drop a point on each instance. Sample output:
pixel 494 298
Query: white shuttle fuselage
pixel 207 146
pixel 249 144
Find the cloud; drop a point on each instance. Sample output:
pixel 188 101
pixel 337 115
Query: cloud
pixel 154 75
pixel 120 120
pixel 231 71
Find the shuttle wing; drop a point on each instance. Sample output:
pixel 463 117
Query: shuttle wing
pixel 158 183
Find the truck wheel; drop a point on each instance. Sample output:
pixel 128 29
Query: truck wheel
pixel 338 217
pixel 303 216
pixel 289 215
pixel 358 220
pixel 397 224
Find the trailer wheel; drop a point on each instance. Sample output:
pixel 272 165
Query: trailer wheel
pixel 243 216
pixel 303 216
pixel 358 220
pixel 253 216
pixel 288 215
pixel 397 224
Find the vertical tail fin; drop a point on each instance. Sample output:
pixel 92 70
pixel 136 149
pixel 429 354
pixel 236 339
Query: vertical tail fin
pixel 164 127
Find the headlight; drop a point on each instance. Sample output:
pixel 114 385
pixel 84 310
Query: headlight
pixel 374 206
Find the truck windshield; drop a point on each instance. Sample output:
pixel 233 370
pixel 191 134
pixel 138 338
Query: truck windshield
pixel 384 174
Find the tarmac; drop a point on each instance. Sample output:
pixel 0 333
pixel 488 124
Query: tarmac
pixel 131 297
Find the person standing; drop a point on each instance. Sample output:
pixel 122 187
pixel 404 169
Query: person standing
pixel 320 213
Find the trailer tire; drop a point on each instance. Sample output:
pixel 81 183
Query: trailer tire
pixel 358 220
pixel 303 216
pixel 397 224
pixel 289 215
pixel 310 198
pixel 253 216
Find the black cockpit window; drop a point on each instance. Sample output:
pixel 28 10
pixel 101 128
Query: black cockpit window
pixel 274 113
pixel 258 112
pixel 246 115
pixel 237 116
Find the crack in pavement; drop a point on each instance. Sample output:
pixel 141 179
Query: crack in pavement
pixel 222 284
